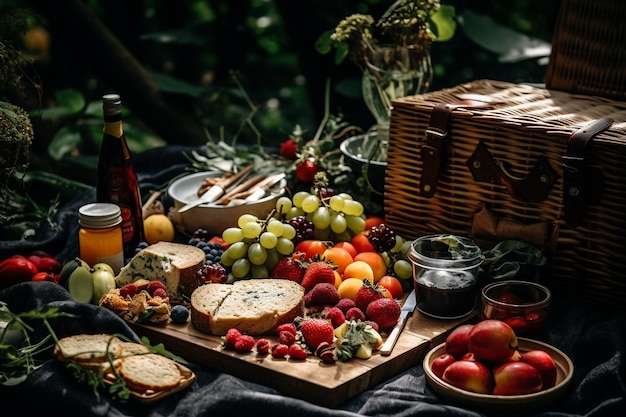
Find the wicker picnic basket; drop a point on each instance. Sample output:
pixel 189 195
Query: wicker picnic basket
pixel 509 163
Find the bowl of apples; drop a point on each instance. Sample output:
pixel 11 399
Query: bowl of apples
pixel 487 367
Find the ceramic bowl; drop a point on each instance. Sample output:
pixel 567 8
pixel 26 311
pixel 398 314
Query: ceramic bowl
pixel 352 149
pixel 211 217
pixel 504 403
pixel 523 305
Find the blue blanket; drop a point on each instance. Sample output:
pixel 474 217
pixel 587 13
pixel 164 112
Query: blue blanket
pixel 595 340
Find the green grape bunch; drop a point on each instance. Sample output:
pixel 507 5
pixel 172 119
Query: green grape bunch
pixel 256 245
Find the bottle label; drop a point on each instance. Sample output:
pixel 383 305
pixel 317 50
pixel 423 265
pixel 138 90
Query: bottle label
pixel 128 224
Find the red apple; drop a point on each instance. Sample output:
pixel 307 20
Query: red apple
pixel 516 378
pixel 544 363
pixel 492 341
pixel 439 365
pixel 456 342
pixel 469 375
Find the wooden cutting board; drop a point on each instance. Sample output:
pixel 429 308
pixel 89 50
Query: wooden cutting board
pixel 312 380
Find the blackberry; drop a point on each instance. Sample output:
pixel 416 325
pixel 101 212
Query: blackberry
pixel 382 238
pixel 304 229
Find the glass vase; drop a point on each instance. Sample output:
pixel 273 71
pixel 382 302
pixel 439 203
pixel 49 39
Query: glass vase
pixel 392 72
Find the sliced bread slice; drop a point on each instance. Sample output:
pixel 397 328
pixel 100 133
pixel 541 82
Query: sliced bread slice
pixel 89 350
pixel 149 373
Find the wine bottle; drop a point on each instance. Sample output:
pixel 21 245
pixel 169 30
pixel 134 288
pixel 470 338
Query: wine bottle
pixel 117 180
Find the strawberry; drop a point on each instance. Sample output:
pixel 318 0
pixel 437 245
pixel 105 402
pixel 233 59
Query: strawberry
pixel 289 149
pixel 306 170
pixel 290 327
pixel 367 293
pixel 263 346
pixel 286 338
pixel 244 343
pixel 280 351
pixel 335 316
pixel 231 337
pixel 296 352
pixel 288 268
pixel 345 304
pixel 315 331
pixel 383 311
pixel 317 272
pixel 323 293
pixel 355 314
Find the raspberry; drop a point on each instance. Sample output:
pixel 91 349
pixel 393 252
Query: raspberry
pixel 335 315
pixel 356 314
pixel 296 352
pixel 244 343
pixel 263 346
pixel 286 338
pixel 129 290
pixel 280 350
pixel 153 285
pixel 231 337
pixel 345 304
pixel 160 292
pixel 290 327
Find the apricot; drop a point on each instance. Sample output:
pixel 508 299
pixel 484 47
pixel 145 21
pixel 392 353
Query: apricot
pixel 340 258
pixel 375 261
pixel 349 287
pixel 359 269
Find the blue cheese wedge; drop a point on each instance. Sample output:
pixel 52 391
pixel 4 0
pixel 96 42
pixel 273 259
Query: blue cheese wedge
pixel 174 264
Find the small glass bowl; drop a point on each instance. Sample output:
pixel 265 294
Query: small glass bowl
pixel 522 305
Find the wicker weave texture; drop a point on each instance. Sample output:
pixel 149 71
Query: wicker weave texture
pixel 522 124
pixel 589 49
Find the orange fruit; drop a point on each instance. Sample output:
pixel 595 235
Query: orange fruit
pixel 347 246
pixel 360 270
pixel 374 260
pixel 392 285
pixel 371 221
pixel 339 257
pixel 349 287
pixel 361 243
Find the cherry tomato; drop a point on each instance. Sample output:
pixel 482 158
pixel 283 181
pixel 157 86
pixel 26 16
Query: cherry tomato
pixel 361 243
pixel 310 248
pixel 392 284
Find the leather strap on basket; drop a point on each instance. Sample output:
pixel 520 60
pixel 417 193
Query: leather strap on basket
pixel 581 184
pixel 435 150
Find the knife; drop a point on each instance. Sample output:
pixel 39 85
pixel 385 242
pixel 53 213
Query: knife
pixel 217 190
pixel 407 310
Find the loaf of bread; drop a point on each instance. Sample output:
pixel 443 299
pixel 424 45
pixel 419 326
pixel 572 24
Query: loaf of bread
pixel 149 373
pixel 174 264
pixel 254 306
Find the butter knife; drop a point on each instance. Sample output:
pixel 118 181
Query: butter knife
pixel 217 190
pixel 407 309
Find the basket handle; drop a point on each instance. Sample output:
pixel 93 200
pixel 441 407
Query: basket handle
pixel 532 188
pixel 581 184
pixel 435 148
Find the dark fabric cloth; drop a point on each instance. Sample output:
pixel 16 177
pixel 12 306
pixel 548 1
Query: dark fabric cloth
pixel 594 338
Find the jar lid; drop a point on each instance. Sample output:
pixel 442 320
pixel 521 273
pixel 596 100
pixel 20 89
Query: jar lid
pixel 99 215
pixel 445 251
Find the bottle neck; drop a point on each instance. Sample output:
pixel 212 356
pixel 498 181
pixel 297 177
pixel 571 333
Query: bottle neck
pixel 113 128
